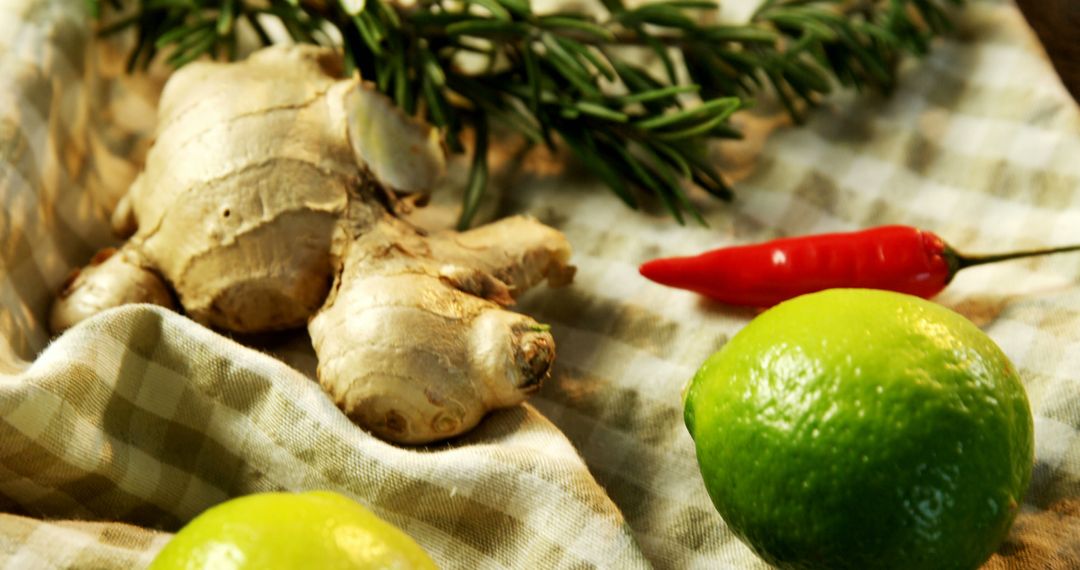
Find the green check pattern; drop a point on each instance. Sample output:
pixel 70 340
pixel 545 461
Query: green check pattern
pixel 117 432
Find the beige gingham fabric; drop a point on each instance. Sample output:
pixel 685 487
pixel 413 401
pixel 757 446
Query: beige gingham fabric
pixel 117 432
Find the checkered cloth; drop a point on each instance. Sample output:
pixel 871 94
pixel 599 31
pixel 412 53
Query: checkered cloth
pixel 117 432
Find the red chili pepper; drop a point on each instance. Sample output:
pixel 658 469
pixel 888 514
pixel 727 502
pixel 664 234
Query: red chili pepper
pixel 895 258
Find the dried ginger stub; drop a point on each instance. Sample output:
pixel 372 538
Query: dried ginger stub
pixel 263 206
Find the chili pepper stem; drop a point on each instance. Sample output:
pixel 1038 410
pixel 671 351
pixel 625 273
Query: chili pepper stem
pixel 963 261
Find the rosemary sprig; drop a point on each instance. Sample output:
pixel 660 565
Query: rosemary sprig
pixel 571 77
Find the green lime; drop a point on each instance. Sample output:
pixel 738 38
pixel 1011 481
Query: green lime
pixel 863 429
pixel 270 531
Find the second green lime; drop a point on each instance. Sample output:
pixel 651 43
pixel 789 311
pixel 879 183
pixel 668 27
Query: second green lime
pixel 291 531
pixel 863 429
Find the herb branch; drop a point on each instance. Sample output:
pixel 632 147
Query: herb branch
pixel 571 77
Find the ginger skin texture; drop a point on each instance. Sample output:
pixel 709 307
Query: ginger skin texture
pixel 267 203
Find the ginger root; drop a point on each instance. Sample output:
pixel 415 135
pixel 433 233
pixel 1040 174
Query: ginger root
pixel 267 202
pixel 113 278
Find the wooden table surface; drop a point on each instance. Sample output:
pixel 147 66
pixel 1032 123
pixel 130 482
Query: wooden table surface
pixel 1057 22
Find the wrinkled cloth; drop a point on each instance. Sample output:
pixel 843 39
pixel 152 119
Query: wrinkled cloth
pixel 117 432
